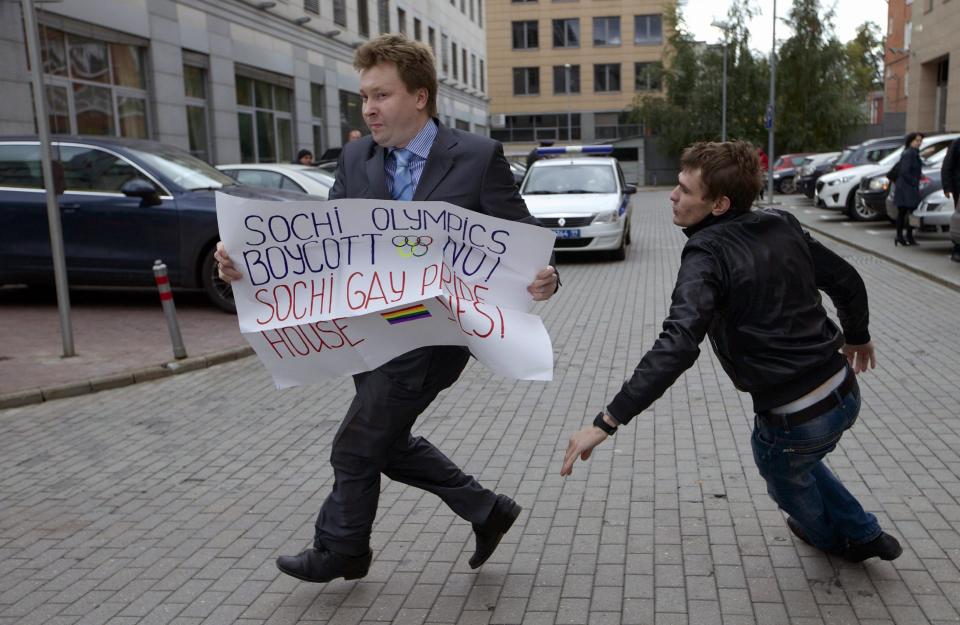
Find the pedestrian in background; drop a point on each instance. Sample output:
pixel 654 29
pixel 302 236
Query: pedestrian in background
pixel 950 175
pixel 764 166
pixel 305 157
pixel 906 197
pixel 408 155
pixel 750 279
pixel 354 135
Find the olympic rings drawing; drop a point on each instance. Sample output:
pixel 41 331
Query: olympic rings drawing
pixel 412 246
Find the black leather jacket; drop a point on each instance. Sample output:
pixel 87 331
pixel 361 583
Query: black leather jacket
pixel 751 282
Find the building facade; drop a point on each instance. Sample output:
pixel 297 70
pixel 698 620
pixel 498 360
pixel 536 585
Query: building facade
pixel 896 66
pixel 230 80
pixel 934 76
pixel 569 71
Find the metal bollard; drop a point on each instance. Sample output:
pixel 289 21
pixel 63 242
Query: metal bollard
pixel 169 310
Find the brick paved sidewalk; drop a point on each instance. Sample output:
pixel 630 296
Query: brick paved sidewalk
pixel 167 502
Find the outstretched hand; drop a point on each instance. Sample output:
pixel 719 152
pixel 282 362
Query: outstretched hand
pixel 581 444
pixel 860 357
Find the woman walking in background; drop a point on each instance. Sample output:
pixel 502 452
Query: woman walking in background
pixel 907 194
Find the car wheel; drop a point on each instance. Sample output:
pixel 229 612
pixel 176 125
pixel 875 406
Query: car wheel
pixel 628 236
pixel 218 291
pixel 861 211
pixel 788 186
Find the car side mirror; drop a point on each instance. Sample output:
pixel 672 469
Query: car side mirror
pixel 630 189
pixel 138 187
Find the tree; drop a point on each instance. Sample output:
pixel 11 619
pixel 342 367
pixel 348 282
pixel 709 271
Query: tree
pixel 865 56
pixel 691 108
pixel 821 84
pixel 818 100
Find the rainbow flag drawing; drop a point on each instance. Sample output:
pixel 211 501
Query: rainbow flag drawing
pixel 417 311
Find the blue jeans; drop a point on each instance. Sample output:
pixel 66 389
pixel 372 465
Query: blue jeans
pixel 790 459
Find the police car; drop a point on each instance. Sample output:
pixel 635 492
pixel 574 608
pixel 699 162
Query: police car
pixel 582 198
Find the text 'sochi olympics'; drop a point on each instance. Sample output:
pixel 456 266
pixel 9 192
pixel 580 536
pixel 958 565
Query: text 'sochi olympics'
pixel 339 287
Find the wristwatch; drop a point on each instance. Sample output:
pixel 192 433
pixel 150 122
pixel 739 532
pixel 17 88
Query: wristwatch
pixel 601 423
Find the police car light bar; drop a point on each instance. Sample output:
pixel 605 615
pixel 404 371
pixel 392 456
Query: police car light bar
pixel 576 149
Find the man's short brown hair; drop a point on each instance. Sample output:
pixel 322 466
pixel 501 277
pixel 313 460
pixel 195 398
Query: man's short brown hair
pixel 414 62
pixel 730 169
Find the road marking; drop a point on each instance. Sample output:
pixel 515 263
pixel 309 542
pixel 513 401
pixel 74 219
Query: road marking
pixel 875 232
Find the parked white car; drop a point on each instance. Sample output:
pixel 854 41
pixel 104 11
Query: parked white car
pixel 934 211
pixel 301 178
pixel 838 190
pixel 583 199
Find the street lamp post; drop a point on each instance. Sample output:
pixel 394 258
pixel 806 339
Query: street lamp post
pixel 723 123
pixel 771 107
pixel 46 166
pixel 566 69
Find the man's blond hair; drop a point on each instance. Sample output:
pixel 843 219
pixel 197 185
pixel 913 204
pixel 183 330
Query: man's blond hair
pixel 414 62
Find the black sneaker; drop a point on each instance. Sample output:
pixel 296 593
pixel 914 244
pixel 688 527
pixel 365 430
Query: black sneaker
pixel 884 546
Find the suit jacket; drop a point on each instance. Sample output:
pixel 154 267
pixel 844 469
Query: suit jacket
pixel 464 169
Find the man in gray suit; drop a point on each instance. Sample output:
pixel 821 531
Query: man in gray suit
pixel 408 155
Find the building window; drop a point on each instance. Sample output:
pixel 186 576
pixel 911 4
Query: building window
pixel 615 125
pixel 480 13
pixel 340 12
pixel 195 90
pixel 525 35
pixel 316 114
pixel 566 33
pixel 432 39
pixel 461 124
pixel 351 114
pixel 606 31
pixel 647 76
pixel 483 82
pixel 560 82
pixel 606 77
pixel 471 10
pixel 264 116
pixel 402 21
pixel 444 61
pixel 473 71
pixel 563 127
pixel 453 49
pixel 94 87
pixel 463 58
pixel 417 29
pixel 363 18
pixel 647 29
pixel 383 15
pixel 311 6
pixel 526 81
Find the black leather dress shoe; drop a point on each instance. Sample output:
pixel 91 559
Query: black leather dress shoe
pixel 320 565
pixel 505 512
pixel 884 546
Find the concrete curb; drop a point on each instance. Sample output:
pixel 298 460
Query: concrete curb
pixel 899 263
pixel 93 385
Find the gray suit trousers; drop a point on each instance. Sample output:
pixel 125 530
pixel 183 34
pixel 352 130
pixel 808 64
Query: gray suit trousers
pixel 375 438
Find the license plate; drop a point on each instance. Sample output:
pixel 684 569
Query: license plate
pixel 567 233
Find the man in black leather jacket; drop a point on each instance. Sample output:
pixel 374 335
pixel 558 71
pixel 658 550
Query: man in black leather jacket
pixel 750 280
pixel 950 175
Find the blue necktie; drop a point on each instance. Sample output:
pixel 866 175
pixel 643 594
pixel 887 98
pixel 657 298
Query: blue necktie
pixel 402 177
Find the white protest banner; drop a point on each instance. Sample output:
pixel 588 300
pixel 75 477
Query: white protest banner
pixel 339 287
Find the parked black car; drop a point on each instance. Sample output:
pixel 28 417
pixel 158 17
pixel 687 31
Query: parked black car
pixel 869 152
pixel 810 171
pixel 125 204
